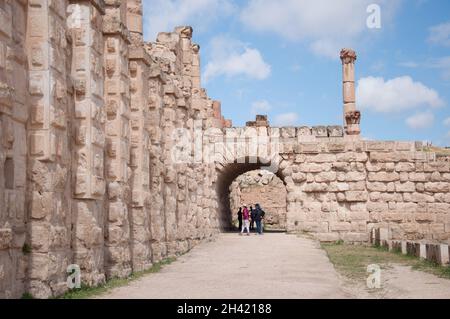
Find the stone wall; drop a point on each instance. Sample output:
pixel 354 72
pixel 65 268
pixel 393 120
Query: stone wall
pixel 264 188
pixel 88 118
pixel 13 149
pixel 344 195
pixel 342 187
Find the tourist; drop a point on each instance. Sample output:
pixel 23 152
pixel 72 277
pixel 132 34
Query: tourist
pixel 252 218
pixel 259 217
pixel 245 217
pixel 240 218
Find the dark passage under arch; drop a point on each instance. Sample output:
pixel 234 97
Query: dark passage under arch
pixel 226 176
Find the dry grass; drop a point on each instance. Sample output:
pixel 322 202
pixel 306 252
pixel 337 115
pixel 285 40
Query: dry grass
pixel 440 151
pixel 89 292
pixel 352 261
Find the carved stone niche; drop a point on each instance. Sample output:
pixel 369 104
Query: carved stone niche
pixel 353 117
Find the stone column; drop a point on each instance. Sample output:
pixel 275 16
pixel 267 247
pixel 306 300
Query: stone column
pixel 352 116
pixel 49 158
pixel 84 23
pixel 117 98
pixel 13 147
pixel 155 104
pixel 134 21
pixel 140 159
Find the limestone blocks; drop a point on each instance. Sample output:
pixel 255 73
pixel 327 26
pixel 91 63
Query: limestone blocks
pixel 134 20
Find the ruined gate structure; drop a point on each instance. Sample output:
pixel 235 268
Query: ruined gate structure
pixel 113 157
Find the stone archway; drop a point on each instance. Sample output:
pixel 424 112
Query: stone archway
pixel 266 189
pixel 225 177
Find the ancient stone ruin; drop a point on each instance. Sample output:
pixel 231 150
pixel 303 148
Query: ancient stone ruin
pixel 264 188
pixel 113 157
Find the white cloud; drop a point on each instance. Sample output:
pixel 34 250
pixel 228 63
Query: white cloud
pixel 165 15
pixel 230 58
pixel 261 107
pixel 447 121
pixel 395 95
pixel 420 120
pixel 409 64
pixel 326 25
pixel 442 64
pixel 440 34
pixel 286 119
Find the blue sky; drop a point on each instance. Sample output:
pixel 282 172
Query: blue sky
pixel 281 58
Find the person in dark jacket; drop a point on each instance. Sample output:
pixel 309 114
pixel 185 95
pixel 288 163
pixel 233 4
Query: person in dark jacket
pixel 240 218
pixel 259 217
pixel 252 218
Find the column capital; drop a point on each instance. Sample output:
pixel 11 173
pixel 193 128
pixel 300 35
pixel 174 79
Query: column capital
pixel 348 56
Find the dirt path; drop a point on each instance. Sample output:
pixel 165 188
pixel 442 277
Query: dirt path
pixel 268 266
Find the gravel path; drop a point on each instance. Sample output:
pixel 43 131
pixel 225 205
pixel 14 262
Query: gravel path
pixel 255 267
pixel 270 267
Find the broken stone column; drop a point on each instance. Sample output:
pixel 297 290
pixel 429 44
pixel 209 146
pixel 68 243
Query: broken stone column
pixel 84 23
pixel 404 246
pixel 352 116
pixel 117 100
pixel 217 115
pixel 422 251
pixel 195 70
pixel 438 253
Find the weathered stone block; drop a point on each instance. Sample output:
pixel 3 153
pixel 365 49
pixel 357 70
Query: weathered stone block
pixel 408 187
pixel 335 131
pixel 6 237
pixel 383 177
pixel 356 196
pixel 437 187
pixel 320 131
